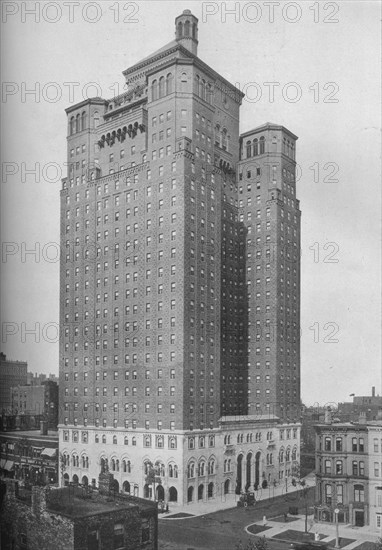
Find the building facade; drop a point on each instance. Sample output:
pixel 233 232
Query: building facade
pixel 30 456
pixel 348 473
pixel 160 302
pixel 37 400
pixel 12 373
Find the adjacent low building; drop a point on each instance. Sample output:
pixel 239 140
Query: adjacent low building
pixel 37 400
pixel 12 373
pixel 30 456
pixel 349 473
pixel 75 519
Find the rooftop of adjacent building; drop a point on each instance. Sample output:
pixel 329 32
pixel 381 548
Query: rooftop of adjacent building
pixel 52 435
pixel 77 502
pixel 3 359
pixel 268 126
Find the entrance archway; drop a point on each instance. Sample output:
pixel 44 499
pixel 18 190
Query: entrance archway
pixel 226 486
pixel 172 494
pixel 200 491
pixel 160 492
pixel 249 465
pixel 115 486
pixel 190 494
pixel 85 481
pixel 239 474
pixel 126 487
pixel 257 470
pixel 210 490
pixel 66 480
pixel 75 479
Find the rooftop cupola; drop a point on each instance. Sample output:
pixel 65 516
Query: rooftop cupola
pixel 186 31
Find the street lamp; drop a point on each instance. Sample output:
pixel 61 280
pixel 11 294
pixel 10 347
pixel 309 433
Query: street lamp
pixel 336 512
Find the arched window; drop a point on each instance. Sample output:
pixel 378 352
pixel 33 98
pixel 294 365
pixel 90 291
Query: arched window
pixel 114 440
pixel 210 490
pixel 217 135
pixel 169 81
pixel 83 120
pixel 126 440
pixel 262 145
pixel 78 123
pixel 194 30
pixel 191 470
pixel 211 466
pixel 96 119
pixel 180 29
pixel 202 468
pixel 104 439
pixel 197 84
pixel 173 494
pixel 154 90
pixel 255 147
pixel 248 149
pixel 294 454
pixel 328 493
pixel 187 28
pixel 224 140
pixel 287 455
pixel 72 126
pixel 161 87
pixel 281 456
pixel 203 89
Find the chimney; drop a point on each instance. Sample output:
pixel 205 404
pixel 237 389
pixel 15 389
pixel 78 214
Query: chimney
pixel 38 500
pixel 373 391
pixel 43 427
pixel 362 417
pixel 328 416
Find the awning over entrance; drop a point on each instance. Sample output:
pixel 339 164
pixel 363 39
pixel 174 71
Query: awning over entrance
pixel 51 453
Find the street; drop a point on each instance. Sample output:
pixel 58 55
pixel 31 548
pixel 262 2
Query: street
pixel 222 530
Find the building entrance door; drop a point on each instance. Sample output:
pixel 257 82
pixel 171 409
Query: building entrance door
pixel 359 518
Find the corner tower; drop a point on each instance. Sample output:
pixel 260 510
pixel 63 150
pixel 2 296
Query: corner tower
pixel 186 31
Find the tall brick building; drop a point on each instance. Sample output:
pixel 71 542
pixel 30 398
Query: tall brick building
pixel 160 299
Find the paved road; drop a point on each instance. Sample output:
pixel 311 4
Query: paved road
pixel 222 530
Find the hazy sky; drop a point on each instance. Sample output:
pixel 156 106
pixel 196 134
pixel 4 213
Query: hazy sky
pixel 325 68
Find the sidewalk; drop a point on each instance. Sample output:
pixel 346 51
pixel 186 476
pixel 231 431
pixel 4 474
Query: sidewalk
pixel 326 530
pixel 222 502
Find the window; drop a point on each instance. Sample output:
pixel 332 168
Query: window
pixel 328 444
pixel 359 493
pixel 328 494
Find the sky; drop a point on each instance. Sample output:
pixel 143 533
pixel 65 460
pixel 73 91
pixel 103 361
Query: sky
pixel 313 67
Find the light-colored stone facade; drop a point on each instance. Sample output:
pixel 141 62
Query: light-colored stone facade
pixel 244 453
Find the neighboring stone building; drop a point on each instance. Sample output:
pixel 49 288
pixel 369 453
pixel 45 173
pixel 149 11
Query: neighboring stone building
pixel 30 456
pixel 12 373
pixel 243 453
pixel 180 281
pixel 349 472
pixel 75 519
pixel 35 379
pixel 367 407
pixel 37 400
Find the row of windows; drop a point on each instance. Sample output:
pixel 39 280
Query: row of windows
pixel 77 123
pixel 200 469
pixel 78 150
pixel 357 444
pixel 335 494
pixel 358 468
pixel 115 423
pixel 162 87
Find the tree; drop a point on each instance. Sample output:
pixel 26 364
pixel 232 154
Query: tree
pixel 297 481
pixel 378 544
pixel 152 474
